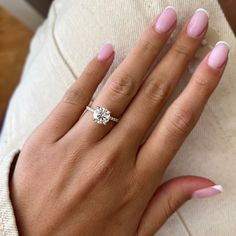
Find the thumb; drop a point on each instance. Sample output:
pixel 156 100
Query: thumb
pixel 170 196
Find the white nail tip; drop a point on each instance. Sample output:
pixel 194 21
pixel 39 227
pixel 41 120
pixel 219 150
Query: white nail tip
pixel 204 10
pixel 170 7
pixel 218 187
pixel 223 42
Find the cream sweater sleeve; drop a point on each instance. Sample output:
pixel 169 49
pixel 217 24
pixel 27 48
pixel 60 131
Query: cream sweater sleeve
pixel 7 219
pixel 68 39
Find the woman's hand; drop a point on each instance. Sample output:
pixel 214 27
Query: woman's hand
pixel 76 177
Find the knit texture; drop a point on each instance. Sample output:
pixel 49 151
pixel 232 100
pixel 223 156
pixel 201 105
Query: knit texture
pixel 7 219
pixel 68 39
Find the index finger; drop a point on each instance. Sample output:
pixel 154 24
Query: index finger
pixel 124 83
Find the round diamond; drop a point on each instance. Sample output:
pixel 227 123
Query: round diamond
pixel 101 115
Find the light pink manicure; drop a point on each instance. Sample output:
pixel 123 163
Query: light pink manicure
pixel 166 20
pixel 208 192
pixel 218 55
pixel 106 51
pixel 198 23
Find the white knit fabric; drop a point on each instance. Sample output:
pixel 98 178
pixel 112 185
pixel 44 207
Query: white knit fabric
pixel 68 39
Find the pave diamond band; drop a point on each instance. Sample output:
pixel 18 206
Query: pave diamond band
pixel 101 115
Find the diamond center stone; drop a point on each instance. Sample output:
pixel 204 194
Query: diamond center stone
pixel 101 115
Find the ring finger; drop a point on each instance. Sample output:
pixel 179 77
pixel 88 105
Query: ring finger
pixel 124 83
pixel 162 81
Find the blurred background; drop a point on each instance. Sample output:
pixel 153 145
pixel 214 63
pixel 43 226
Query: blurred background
pixel 18 21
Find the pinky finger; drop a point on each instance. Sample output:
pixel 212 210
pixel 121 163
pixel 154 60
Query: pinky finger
pixel 77 97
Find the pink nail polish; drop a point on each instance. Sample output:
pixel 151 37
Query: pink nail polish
pixel 208 192
pixel 106 51
pixel 198 23
pixel 166 20
pixel 218 55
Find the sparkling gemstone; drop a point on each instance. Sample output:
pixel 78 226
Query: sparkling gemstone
pixel 101 116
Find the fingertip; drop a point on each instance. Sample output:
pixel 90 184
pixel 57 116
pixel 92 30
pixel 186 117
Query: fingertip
pixel 166 20
pixel 191 183
pixel 218 57
pixel 207 192
pixel 106 52
pixel 215 61
pixel 198 24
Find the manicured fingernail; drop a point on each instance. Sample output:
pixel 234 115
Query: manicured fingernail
pixel 166 20
pixel 198 23
pixel 208 192
pixel 219 55
pixel 105 52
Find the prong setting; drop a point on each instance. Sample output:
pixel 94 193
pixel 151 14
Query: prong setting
pixel 101 115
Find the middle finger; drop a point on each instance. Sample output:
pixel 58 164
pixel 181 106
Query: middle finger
pixel 160 84
pixel 124 83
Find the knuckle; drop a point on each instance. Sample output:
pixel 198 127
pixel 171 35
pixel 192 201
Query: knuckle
pixel 203 81
pixel 181 121
pixel 73 96
pixel 90 72
pixel 182 50
pixel 122 84
pixel 156 91
pixel 171 203
pixel 169 207
pixel 148 46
